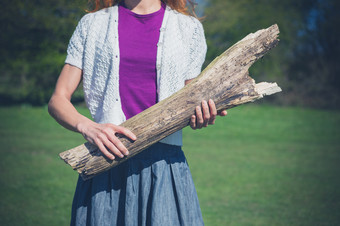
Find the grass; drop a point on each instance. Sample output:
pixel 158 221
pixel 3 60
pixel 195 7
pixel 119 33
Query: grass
pixel 260 165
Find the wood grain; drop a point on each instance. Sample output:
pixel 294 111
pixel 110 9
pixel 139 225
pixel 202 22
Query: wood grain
pixel 225 80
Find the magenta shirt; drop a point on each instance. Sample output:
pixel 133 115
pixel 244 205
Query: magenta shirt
pixel 138 38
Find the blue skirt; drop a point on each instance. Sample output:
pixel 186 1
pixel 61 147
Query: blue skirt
pixel 153 188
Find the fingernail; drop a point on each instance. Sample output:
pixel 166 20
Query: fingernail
pixel 205 103
pixel 127 153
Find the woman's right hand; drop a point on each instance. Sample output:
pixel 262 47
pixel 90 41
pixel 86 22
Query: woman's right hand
pixel 104 137
pixel 62 110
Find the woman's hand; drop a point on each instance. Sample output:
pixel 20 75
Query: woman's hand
pixel 104 137
pixel 61 108
pixel 205 115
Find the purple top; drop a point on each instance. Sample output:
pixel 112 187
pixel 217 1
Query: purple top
pixel 138 38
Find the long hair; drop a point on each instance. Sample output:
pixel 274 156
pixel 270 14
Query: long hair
pixel 186 7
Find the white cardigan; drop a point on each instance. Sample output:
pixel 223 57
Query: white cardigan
pixel 94 48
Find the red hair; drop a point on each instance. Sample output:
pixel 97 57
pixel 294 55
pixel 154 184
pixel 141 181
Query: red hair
pixel 186 7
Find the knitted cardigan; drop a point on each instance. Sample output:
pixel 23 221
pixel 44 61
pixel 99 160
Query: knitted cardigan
pixel 94 48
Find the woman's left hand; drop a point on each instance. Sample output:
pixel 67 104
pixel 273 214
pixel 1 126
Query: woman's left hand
pixel 205 115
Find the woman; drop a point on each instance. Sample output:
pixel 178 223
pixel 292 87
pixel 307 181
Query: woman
pixel 131 54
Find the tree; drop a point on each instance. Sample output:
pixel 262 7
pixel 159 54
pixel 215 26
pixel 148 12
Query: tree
pixel 303 43
pixel 33 45
pixel 316 65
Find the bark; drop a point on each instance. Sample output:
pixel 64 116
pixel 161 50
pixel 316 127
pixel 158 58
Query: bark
pixel 225 80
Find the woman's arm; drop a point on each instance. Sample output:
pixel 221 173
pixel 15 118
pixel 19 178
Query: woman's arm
pixel 63 111
pixel 205 114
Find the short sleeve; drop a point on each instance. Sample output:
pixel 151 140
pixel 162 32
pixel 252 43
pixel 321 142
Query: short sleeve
pixel 75 49
pixel 198 50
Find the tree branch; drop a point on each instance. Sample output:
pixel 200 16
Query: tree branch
pixel 225 81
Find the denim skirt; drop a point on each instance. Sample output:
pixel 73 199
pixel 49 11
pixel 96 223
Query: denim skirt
pixel 154 187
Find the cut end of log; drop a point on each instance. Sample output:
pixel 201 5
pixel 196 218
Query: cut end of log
pixel 77 157
pixel 274 29
pixel 266 88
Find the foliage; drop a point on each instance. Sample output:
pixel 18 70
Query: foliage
pixel 316 61
pixel 304 63
pixel 33 45
pixel 35 34
pixel 260 165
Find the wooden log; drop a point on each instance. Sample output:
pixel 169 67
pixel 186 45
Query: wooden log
pixel 225 80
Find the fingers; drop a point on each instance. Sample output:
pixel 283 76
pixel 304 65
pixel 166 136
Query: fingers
pixel 104 136
pixel 117 147
pixel 223 113
pixel 193 122
pixel 103 149
pixel 202 116
pixel 205 115
pixel 199 117
pixel 125 132
pixel 213 112
pixel 113 143
pixel 110 145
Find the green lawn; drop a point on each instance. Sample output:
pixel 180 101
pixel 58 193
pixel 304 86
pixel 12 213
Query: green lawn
pixel 260 165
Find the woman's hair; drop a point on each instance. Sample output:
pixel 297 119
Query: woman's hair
pixel 186 7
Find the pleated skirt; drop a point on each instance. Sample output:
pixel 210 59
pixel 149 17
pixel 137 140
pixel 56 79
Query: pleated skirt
pixel 153 188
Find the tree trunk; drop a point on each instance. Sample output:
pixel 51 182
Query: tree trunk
pixel 225 81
